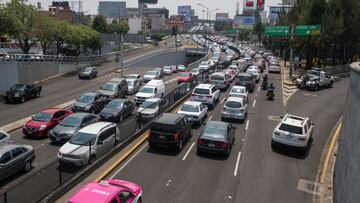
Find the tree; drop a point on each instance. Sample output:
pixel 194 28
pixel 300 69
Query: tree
pixel 259 30
pixel 44 30
pixel 60 30
pixel 21 18
pixel 120 27
pixel 99 24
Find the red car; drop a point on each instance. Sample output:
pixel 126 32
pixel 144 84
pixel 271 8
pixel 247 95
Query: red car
pixel 185 77
pixel 42 122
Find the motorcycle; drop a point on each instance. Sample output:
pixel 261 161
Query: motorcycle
pixel 264 85
pixel 270 94
pixel 301 81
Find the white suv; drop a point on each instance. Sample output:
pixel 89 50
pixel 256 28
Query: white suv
pixel 98 138
pixel 206 93
pixel 293 131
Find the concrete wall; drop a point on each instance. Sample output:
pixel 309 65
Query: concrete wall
pixel 8 74
pixel 347 169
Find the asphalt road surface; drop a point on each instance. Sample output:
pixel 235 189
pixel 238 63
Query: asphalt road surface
pixel 253 172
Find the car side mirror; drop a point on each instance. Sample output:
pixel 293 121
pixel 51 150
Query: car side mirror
pixel 100 142
pixel 312 123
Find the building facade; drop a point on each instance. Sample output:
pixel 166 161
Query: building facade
pixel 60 10
pixel 112 9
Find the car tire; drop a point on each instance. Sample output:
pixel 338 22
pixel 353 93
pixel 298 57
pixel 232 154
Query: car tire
pixel 121 118
pixel 22 99
pixel 213 105
pixel 331 84
pixel 316 88
pixel 27 166
pixel 37 94
pixel 93 111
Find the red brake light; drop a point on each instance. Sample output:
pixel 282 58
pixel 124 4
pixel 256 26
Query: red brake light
pixel 193 94
pixel 149 133
pixel 225 145
pixel 208 96
pixel 277 133
pixel 241 110
pixel 176 136
pixel 200 141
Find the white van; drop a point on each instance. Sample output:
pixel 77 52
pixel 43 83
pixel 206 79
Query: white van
pixel 154 88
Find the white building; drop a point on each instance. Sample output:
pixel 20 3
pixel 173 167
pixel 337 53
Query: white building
pixel 135 25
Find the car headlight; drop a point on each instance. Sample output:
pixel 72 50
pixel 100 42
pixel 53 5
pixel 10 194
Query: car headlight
pixel 87 108
pixel 42 127
pixel 17 94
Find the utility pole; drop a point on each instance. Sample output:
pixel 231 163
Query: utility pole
pixel 292 33
pixel 121 54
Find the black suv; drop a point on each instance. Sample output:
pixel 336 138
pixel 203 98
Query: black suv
pixel 170 130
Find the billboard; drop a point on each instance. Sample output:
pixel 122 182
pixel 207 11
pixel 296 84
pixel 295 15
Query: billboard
pixel 243 22
pixel 222 16
pixel 260 5
pixel 251 5
pixel 148 1
pixel 185 11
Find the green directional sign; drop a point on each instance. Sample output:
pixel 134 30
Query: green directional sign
pixel 307 30
pixel 277 30
pixel 232 31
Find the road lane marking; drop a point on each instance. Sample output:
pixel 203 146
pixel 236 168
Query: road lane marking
pixel 254 103
pixel 187 153
pixel 237 164
pixel 334 138
pixel 222 100
pixel 247 124
pixel 127 122
pixel 259 88
pixel 128 161
pixel 210 118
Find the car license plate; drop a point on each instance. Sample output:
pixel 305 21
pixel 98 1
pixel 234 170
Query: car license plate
pixel 211 145
pixel 57 139
pixel 161 137
pixel 289 137
pixel 29 132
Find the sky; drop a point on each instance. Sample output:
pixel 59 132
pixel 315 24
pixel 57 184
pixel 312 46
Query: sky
pixel 224 6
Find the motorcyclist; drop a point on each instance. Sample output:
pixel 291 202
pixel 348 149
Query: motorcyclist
pixel 271 90
pixel 265 78
pixel 265 82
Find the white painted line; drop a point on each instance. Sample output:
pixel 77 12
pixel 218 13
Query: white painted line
pixel 128 161
pixel 247 125
pixel 259 88
pixel 222 100
pixel 209 118
pixel 254 103
pixel 188 151
pixel 237 164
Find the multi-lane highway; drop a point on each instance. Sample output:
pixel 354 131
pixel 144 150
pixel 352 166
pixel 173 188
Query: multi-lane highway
pixel 253 172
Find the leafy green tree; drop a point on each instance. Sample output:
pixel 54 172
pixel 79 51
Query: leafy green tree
pixel 119 27
pixel 21 18
pixel 99 24
pixel 60 30
pixel 44 30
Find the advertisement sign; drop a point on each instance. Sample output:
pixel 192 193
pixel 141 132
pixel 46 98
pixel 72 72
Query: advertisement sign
pixel 222 16
pixel 260 5
pixel 249 6
pixel 185 11
pixel 148 1
pixel 237 22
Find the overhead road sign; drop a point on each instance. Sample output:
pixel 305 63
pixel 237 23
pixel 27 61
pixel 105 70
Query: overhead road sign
pixel 308 30
pixel 277 30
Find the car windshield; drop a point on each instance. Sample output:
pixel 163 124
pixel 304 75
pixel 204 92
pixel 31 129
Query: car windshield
pixel 238 90
pixel 132 76
pixel 115 104
pixel 149 104
pixel 314 72
pixel 18 87
pixel 291 128
pixel 201 91
pixel 130 82
pixel 151 73
pixel 184 74
pixel 244 78
pixel 190 108
pixel 195 71
pixel 87 69
pixel 71 121
pixel 86 99
pixel 254 72
pixel 167 68
pixel 147 90
pixel 233 104
pixel 217 77
pixel 109 86
pixel 214 132
pixel 83 139
pixel 42 117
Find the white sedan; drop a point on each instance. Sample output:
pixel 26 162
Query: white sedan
pixel 4 137
pixel 239 91
pixel 255 74
pixel 195 111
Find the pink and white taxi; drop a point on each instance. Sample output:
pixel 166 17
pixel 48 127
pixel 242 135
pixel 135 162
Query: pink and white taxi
pixel 110 191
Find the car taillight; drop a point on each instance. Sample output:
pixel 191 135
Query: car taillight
pixel 200 142
pixel 302 138
pixel 149 133
pixel 241 110
pixel 224 108
pixel 276 133
pixel 230 95
pixel 176 136
pixel 193 95
pixel 225 145
pixel 209 97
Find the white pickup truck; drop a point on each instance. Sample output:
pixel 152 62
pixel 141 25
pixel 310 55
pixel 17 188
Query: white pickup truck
pixel 318 79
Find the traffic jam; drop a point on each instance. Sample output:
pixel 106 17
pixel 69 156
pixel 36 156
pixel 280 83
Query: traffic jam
pixel 92 120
